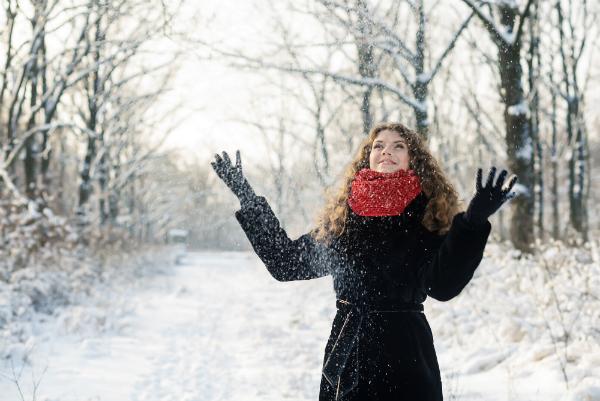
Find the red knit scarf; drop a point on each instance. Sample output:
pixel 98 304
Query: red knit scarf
pixel 383 194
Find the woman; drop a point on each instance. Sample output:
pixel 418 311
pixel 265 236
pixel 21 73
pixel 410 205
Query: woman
pixel 391 237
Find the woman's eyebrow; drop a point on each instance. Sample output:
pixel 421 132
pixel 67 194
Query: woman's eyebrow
pixel 380 141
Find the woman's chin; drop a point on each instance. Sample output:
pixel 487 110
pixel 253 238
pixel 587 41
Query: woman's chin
pixel 388 168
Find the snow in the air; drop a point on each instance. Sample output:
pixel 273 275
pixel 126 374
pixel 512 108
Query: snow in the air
pixel 216 326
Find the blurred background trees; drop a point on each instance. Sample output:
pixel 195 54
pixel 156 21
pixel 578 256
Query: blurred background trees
pixel 505 82
pixel 79 84
pixel 85 109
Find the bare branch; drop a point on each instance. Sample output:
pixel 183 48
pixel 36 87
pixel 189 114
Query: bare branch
pixel 522 18
pixel 488 23
pixel 449 48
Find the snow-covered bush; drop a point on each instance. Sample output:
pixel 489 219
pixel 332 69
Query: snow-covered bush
pixel 47 262
pixel 30 234
pixel 523 310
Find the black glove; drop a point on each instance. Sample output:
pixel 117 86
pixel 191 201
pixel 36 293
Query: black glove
pixel 488 199
pixel 233 177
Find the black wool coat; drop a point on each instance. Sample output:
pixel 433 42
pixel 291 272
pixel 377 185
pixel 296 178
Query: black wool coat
pixel 383 268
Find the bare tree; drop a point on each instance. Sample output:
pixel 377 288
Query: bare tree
pixel 573 29
pixel 81 69
pixel 505 22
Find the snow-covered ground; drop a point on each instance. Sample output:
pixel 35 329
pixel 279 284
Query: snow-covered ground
pixel 218 327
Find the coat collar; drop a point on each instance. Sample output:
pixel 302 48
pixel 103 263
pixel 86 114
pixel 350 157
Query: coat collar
pixel 368 230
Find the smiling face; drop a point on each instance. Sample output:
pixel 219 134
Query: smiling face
pixel 389 153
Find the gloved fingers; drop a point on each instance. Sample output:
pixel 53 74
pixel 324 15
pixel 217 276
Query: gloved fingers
pixel 511 184
pixel 218 165
pixel 226 159
pixel 500 180
pixel 490 179
pixel 478 181
pixel 238 160
pixel 218 169
pixel 510 196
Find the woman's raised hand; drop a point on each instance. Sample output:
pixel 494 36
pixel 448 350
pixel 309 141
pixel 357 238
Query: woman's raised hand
pixel 233 176
pixel 490 197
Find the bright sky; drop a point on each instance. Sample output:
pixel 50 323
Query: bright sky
pixel 214 94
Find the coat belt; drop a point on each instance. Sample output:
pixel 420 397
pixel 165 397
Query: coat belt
pixel 344 378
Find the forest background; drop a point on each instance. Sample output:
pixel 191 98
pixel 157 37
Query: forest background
pixel 111 111
pixel 96 103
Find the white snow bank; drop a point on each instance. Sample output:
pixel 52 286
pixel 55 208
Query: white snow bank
pixel 218 327
pixel 526 315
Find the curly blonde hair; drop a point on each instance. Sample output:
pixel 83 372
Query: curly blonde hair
pixel 443 199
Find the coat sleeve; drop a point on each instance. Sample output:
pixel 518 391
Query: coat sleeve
pixel 285 259
pixel 447 270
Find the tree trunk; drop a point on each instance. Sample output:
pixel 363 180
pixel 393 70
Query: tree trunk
pixel 29 162
pixel 577 167
pixel 420 87
pixel 103 184
pixel 45 148
pixel 519 144
pixel 533 64
pixel 366 65
pixel 85 186
pixel 575 128
pixel 554 198
pixel 93 95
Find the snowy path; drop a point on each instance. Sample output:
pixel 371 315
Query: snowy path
pixel 218 327
pixel 235 335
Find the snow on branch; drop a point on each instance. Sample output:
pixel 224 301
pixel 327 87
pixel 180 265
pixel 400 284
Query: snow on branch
pixel 16 149
pixel 363 81
pixel 501 34
pixel 243 61
pixel 525 152
pixel 521 108
pixel 488 23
